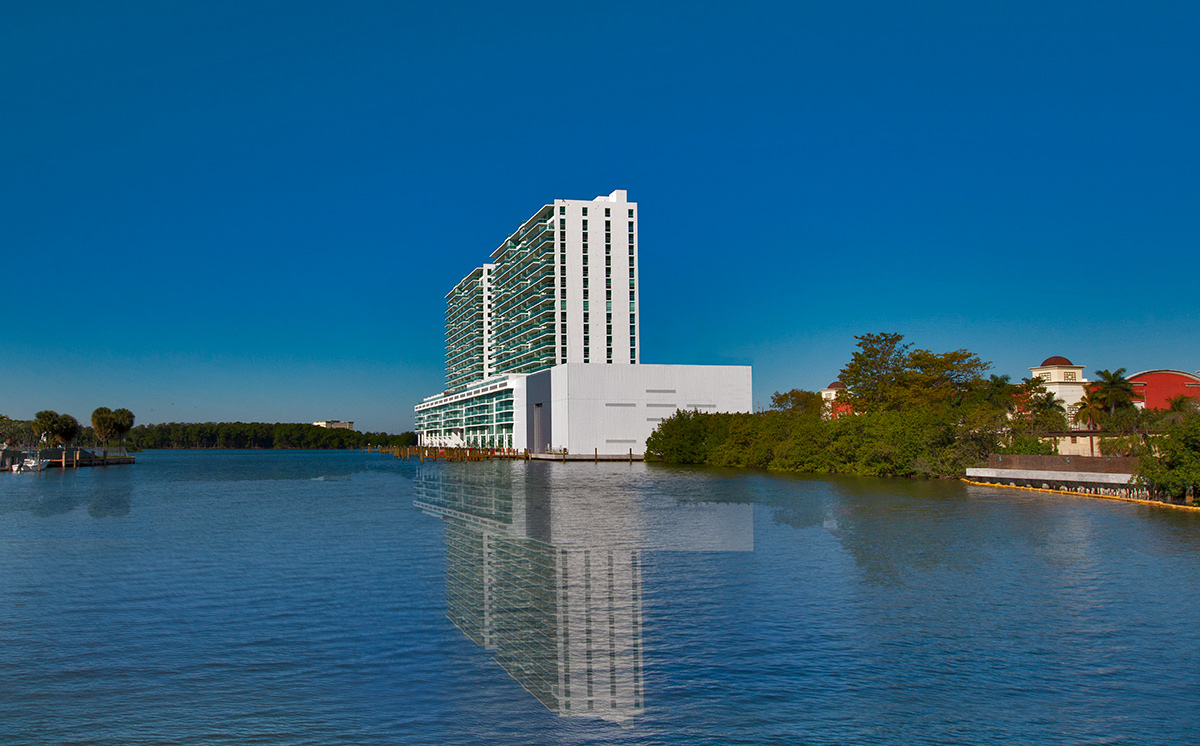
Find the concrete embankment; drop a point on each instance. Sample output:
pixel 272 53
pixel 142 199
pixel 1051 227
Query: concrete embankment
pixel 1109 477
pixel 1090 475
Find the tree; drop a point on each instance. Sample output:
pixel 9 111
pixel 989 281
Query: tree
pixel 942 377
pixel 104 425
pixel 1172 469
pixel 1183 404
pixel 1090 410
pixel 884 375
pixel 1114 391
pixel 43 423
pixel 122 423
pixel 797 401
pixel 1038 411
pixel 65 429
pixel 874 370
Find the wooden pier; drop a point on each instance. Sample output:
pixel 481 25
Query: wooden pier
pixel 491 454
pixel 64 458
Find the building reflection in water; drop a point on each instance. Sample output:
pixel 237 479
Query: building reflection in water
pixel 544 568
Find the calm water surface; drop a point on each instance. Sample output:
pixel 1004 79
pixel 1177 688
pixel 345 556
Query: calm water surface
pixel 346 598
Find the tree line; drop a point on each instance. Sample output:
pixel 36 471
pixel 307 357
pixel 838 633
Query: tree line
pixel 257 435
pixel 915 412
pixel 108 425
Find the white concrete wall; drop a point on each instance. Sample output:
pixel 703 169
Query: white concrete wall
pixel 612 409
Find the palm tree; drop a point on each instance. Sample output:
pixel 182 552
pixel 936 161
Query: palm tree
pixel 122 423
pixel 1090 410
pixel 1183 404
pixel 43 425
pixel 65 429
pixel 1114 390
pixel 105 426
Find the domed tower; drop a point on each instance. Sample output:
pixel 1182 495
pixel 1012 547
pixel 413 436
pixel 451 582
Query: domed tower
pixel 1064 379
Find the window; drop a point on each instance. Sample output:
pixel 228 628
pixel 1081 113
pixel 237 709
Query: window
pixel 562 209
pixel 607 238
pixel 609 308
pixel 585 234
pixel 631 306
pixel 585 213
pixel 585 222
pixel 631 226
pixel 585 304
pixel 562 222
pixel 607 212
pixel 585 293
pixel 1069 376
pixel 630 212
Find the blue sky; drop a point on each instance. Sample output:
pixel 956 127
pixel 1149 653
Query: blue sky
pixel 252 210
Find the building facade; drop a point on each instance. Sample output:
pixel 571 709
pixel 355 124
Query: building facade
pixel 528 333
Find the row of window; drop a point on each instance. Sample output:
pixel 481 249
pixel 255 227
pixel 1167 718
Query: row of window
pixel 562 210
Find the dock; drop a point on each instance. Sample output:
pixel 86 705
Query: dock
pixel 490 454
pixel 64 458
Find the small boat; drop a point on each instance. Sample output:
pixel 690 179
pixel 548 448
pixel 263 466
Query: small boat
pixel 31 463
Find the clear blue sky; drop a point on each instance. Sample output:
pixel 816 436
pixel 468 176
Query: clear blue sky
pixel 252 210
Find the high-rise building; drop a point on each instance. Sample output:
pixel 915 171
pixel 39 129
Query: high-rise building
pixel 558 301
pixel 468 329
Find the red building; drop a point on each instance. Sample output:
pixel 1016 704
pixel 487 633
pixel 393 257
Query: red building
pixel 1159 387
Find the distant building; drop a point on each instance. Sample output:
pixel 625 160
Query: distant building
pixel 542 345
pixel 833 407
pixel 1064 379
pixel 335 424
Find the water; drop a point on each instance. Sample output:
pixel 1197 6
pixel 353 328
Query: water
pixel 345 598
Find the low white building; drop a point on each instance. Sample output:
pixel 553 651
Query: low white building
pixel 580 408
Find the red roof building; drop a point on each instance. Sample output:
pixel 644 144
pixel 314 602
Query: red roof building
pixel 1159 387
